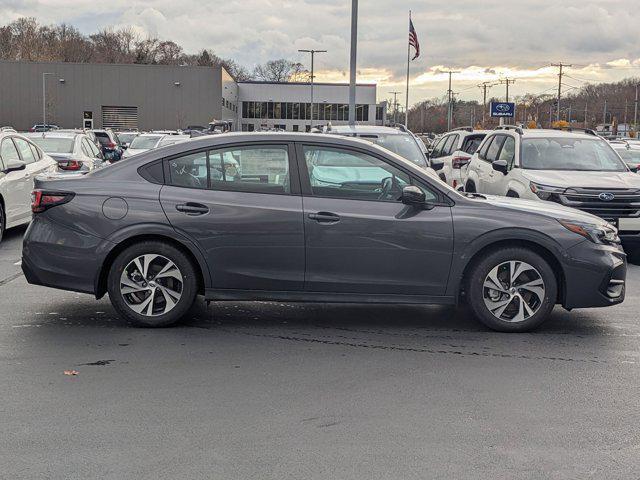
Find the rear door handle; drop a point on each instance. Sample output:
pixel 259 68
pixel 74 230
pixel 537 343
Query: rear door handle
pixel 192 208
pixel 324 217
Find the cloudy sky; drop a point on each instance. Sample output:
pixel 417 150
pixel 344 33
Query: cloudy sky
pixel 484 40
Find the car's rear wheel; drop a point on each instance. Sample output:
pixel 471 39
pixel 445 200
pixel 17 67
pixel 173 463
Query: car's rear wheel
pixel 152 284
pixel 470 187
pixel 512 290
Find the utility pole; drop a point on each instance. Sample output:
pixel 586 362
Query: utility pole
pixel 560 65
pixel 604 114
pixel 450 98
pixel 312 52
pixel 625 112
pixel 569 119
pixel 484 86
pixel 585 114
pixel 550 114
pixel 395 105
pixel 352 62
pixel 506 81
pixel 635 111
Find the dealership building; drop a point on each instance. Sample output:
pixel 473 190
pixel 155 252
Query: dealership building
pixel 159 97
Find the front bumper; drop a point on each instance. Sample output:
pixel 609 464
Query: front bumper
pixel 595 275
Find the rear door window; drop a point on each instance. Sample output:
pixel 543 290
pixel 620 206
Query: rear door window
pixel 437 148
pixel 251 169
pixel 259 169
pixel 25 150
pixel 447 149
pixel 471 143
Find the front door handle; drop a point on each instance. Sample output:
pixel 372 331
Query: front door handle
pixel 324 217
pixel 192 208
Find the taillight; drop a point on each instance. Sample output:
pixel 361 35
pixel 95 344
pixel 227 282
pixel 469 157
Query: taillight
pixel 42 200
pixel 70 165
pixel 110 145
pixel 459 162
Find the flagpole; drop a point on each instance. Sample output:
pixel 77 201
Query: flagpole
pixel 406 103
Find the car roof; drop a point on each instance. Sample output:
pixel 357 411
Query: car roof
pixel 547 133
pixel 158 135
pixel 55 134
pixel 360 129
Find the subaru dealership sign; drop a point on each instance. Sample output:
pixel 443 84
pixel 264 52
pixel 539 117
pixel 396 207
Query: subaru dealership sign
pixel 503 109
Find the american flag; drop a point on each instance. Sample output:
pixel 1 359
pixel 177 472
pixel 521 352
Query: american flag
pixel 413 40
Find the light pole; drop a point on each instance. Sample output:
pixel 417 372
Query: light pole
pixel 44 97
pixel 312 52
pixel 352 62
pixel 395 105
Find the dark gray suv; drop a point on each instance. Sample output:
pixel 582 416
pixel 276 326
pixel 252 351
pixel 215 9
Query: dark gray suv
pixel 305 217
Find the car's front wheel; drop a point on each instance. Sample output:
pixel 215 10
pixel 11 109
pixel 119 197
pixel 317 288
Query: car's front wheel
pixel 152 284
pixel 512 290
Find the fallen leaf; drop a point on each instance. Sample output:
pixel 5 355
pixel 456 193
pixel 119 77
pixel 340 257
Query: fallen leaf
pixel 71 372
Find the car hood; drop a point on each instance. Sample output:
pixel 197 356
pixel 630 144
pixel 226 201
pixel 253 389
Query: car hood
pixel 129 152
pixel 573 178
pixel 544 208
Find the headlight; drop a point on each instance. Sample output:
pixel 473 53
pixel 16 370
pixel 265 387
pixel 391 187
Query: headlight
pixel 602 234
pixel 544 192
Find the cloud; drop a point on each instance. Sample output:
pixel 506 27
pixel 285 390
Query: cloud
pixel 483 40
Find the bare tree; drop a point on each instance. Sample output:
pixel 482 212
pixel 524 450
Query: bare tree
pixel 281 70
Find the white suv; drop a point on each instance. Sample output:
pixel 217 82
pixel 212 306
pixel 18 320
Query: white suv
pixel 20 161
pixel 579 170
pixel 454 150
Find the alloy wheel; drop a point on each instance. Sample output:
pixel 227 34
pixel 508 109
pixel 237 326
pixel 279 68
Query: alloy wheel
pixel 151 285
pixel 513 291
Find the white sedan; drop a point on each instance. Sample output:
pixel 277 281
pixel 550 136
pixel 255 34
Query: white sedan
pixel 20 161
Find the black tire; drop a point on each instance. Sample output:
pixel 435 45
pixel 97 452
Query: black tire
pixel 189 287
pixel 512 194
pixel 470 187
pixel 476 289
pixel 3 222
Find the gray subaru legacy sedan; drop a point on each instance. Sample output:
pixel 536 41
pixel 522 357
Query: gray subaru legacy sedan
pixel 307 217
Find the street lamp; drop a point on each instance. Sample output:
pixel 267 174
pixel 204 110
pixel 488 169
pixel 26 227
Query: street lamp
pixel 44 97
pixel 312 52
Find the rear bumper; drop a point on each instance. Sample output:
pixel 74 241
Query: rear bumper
pixel 57 256
pixel 595 275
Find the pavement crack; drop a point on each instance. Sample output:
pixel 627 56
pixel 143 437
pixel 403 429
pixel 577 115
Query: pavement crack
pixel 10 278
pixel 432 351
pixel 97 363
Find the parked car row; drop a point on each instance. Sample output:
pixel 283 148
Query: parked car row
pixel 571 167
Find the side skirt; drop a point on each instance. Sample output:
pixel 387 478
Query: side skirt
pixel 323 297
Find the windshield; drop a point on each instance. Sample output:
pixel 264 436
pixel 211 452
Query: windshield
pixel 127 137
pixel 567 153
pixel 144 142
pixel 631 157
pixel 54 144
pixel 403 144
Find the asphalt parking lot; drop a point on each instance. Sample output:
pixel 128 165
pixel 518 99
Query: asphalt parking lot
pixel 279 391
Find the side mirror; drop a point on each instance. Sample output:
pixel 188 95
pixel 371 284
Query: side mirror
pixel 501 166
pixel 15 165
pixel 125 146
pixel 412 195
pixel 437 164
